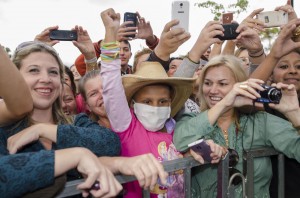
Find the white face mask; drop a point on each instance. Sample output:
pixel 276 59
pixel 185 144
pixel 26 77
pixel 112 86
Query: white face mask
pixel 152 118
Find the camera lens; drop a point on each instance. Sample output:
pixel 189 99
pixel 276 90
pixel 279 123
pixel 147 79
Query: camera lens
pixel 274 95
pixel 181 4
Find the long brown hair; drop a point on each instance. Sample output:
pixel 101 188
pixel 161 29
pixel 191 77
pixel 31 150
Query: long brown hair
pixel 24 50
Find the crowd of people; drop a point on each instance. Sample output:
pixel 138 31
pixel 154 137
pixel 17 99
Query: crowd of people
pixel 101 116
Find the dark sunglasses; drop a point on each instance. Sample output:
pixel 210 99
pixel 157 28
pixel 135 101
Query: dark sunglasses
pixel 233 161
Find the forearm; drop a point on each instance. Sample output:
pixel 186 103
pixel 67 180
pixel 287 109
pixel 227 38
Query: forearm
pixel 294 118
pixel 114 96
pixel 186 69
pixel 112 163
pixel 265 69
pixel 85 133
pixel 229 47
pixel 257 57
pixel 152 42
pixel 216 111
pixel 48 131
pixel 19 180
pixel 66 159
pixel 216 50
pixel 12 88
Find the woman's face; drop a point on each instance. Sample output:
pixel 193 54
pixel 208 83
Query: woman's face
pixel 287 70
pixel 41 73
pixel 218 81
pixel 68 101
pixel 67 79
pixel 94 99
pixel 75 73
pixel 244 57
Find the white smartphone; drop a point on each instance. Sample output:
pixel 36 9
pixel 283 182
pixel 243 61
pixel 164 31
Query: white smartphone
pixel 273 18
pixel 181 12
pixel 202 148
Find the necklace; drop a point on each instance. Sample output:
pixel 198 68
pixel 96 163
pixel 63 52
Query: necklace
pixel 225 133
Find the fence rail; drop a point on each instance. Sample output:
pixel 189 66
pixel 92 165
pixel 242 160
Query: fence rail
pixel 188 163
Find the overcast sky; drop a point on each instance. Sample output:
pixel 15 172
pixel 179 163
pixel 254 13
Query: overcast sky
pixel 21 20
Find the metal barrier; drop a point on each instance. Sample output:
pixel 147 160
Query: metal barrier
pixel 187 163
pixel 248 159
pixel 170 166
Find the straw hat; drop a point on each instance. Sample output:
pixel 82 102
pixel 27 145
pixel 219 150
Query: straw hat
pixel 150 73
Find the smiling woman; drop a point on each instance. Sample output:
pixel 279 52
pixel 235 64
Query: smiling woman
pixel 47 127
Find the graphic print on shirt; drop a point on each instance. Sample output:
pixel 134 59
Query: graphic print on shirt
pixel 175 180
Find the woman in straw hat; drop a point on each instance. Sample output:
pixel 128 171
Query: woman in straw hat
pixel 153 97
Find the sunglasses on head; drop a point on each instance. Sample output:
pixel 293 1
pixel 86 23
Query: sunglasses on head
pixel 233 161
pixel 29 44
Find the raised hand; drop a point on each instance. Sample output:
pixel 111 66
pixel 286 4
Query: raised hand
pixel 111 21
pixel 170 40
pixel 205 39
pixel 284 44
pixel 84 43
pixel 44 36
pixel 288 9
pixel 144 29
pixel 249 39
pixel 252 22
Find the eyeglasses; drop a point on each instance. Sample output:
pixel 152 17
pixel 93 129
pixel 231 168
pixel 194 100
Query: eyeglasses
pixel 233 161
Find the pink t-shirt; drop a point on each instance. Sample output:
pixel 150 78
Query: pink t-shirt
pixel 135 139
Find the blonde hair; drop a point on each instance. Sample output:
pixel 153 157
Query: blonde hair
pixel 229 61
pixel 24 50
pixel 138 55
pixel 83 80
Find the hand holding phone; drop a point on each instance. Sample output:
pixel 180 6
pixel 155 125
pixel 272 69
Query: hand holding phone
pixel 63 35
pixel 229 32
pixel 180 11
pixel 273 18
pixel 129 16
pixel 201 148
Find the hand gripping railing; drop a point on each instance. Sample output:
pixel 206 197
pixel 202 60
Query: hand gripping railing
pixel 223 184
pixel 170 166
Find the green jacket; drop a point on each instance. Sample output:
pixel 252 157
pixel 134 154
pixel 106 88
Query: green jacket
pixel 257 130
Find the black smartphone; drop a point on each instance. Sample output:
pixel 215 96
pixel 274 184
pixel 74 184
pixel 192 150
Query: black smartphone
pixel 229 32
pixel 130 16
pixel 63 35
pixel 202 148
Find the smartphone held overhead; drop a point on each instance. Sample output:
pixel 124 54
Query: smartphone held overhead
pixel 229 32
pixel 130 16
pixel 181 11
pixel 63 35
pixel 273 18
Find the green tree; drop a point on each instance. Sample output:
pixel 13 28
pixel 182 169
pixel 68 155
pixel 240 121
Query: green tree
pixel 269 34
pixel 217 9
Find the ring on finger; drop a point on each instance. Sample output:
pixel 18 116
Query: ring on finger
pixel 243 86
